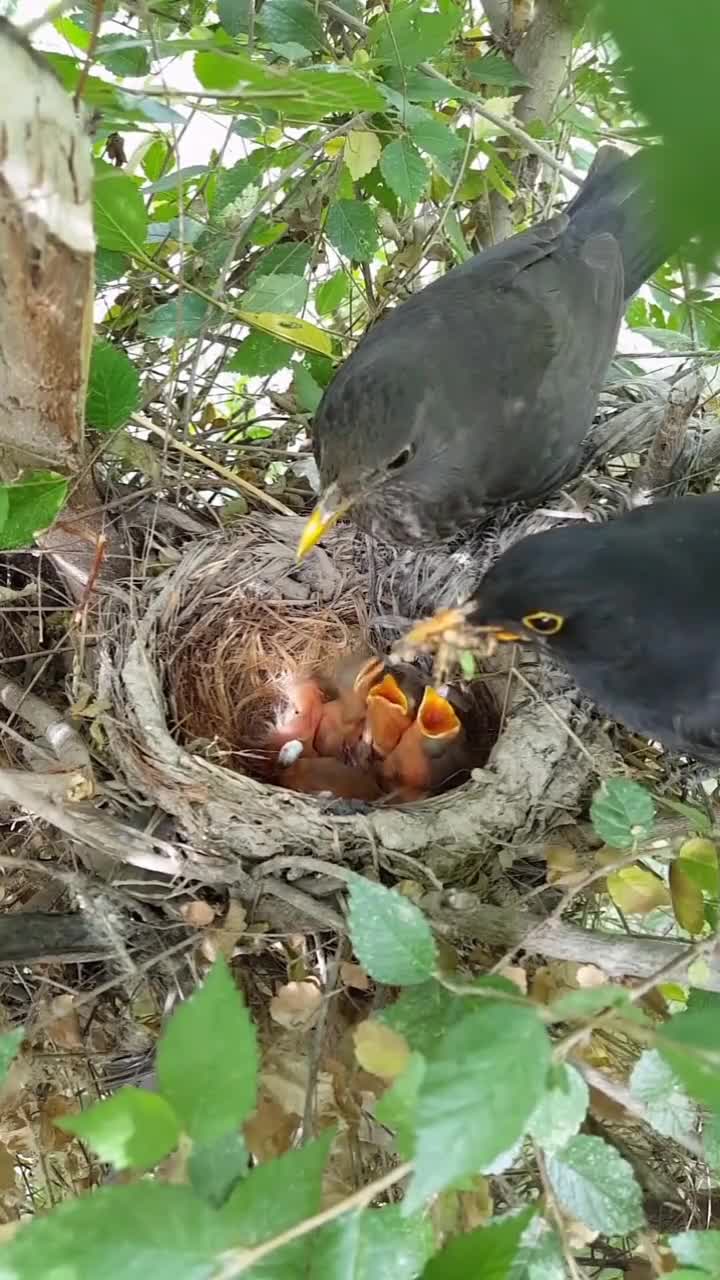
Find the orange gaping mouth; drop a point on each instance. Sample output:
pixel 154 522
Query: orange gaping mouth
pixel 437 717
pixel 390 690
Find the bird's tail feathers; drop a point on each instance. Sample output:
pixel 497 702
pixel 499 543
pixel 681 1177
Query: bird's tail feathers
pixel 619 196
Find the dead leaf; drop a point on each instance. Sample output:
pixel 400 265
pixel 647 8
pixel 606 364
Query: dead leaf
pixel 54 1108
pixel 637 891
pixel 380 1050
pixel 270 1130
pixel 7 1170
pixel 61 1022
pixel 588 975
pixel 197 914
pixel 562 861
pixel 296 1005
pixel 353 975
pixel 224 940
pixel 517 975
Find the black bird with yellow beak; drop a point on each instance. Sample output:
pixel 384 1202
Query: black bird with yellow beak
pixel 630 608
pixel 479 390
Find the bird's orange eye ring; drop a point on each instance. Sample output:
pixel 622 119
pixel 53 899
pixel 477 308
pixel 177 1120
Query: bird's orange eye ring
pixel 546 624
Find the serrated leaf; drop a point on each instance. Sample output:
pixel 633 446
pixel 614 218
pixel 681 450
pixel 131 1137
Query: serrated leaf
pixel 10 1042
pixel 397 1109
pixel 351 227
pixel 218 71
pixel 404 170
pixel 494 69
pixel 215 1168
pixel 233 15
pixel 698 1249
pixel 291 258
pixel 367 1246
pixel 331 293
pixel 29 506
pixel 488 1252
pixel 260 355
pixel 690 1044
pixel 688 903
pixel 109 266
pixel 134 1129
pixel 307 392
pixel 292 22
pixel 297 333
pixel 558 1116
pixel 597 1186
pixel 274 1197
pixel 541 1254
pixel 119 212
pixel 276 293
pixel 361 152
pixel 637 891
pixel 407 35
pixel 483 129
pixel 122 55
pixel 422 1015
pixel 113 392
pixel 233 182
pixel 588 1002
pixel 622 813
pixel 481 1085
pixel 437 140
pixel 209 1038
pixel 391 937
pixel 180 319
pixel 150 1229
pixel 667 1106
pixel 138 455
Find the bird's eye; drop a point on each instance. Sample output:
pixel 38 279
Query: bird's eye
pixel 546 624
pixel 402 458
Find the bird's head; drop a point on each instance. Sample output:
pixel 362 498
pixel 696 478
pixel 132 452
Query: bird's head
pixel 380 456
pixel 529 595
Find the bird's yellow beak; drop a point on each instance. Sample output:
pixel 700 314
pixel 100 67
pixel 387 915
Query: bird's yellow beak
pixel 328 511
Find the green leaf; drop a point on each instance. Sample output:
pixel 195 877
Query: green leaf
pixel 113 387
pixel 210 1041
pixel 390 936
pixel 180 319
pixel 331 293
pixel 698 1249
pixel 423 1015
pixel 109 266
pixel 352 228
pixel 588 1001
pixel 29 506
pixel 488 1251
pixel 10 1042
pixel 540 1256
pixel 291 258
pixel 437 140
pixel 597 1186
pixel 134 1129
pixel 232 182
pixel 307 391
pixel 272 1199
pixel 481 1085
pixel 151 1229
pixel 667 1106
pixel 417 87
pixel 690 1045
pixel 218 71
pixel 156 159
pixel 622 813
pixel 233 15
pixel 397 1109
pixel 367 1246
pixel 293 22
pixel 361 152
pixel 260 355
pixel 122 55
pixel 494 69
pixel 287 294
pixel 404 170
pixel 215 1168
pixel 561 1112
pixel 408 35
pixel 120 218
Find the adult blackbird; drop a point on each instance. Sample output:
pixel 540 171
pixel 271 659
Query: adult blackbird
pixel 480 389
pixel 630 608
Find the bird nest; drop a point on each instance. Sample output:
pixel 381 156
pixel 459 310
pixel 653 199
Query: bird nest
pixel 195 673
